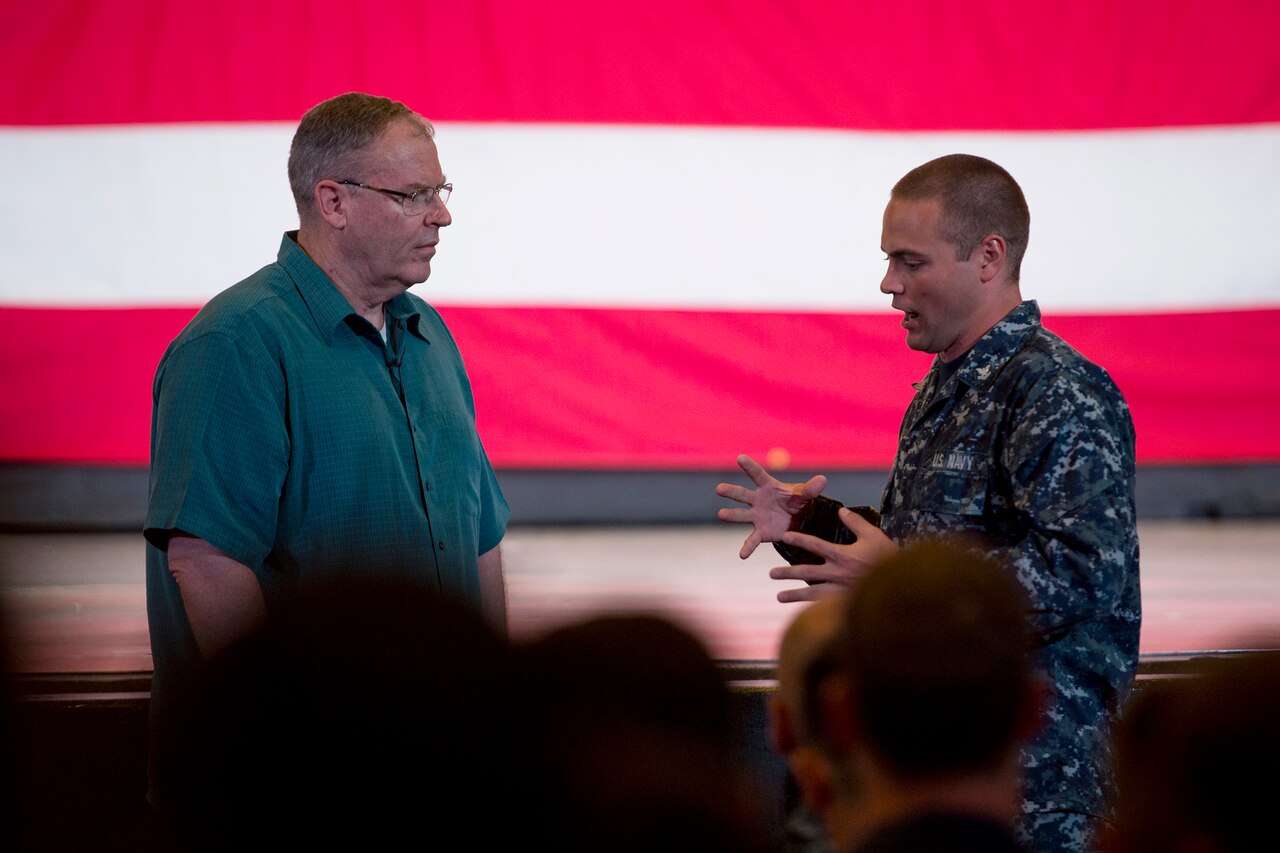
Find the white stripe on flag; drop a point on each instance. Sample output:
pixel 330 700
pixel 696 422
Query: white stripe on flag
pixel 652 216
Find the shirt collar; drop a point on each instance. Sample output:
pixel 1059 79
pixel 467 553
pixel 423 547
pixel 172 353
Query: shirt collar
pixel 1001 342
pixel 329 308
pixel 403 309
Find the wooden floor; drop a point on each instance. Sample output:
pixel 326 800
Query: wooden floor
pixel 75 603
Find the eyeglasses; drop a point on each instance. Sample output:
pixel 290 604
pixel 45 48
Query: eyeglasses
pixel 412 203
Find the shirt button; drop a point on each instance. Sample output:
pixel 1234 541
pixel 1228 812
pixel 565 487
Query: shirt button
pixel 428 485
pixel 441 546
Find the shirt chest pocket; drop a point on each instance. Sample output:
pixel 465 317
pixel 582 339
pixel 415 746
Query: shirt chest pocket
pixel 951 482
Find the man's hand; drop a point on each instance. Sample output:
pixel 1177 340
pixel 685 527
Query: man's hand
pixel 770 505
pixel 842 565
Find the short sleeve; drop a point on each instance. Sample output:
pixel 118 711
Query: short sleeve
pixel 219 446
pixel 494 511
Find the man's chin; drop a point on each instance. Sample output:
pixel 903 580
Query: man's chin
pixel 417 274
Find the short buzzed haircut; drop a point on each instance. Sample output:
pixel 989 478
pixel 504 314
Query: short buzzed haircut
pixel 978 198
pixel 938 650
pixel 333 134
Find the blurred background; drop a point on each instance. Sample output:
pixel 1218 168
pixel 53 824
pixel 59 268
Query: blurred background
pixel 664 253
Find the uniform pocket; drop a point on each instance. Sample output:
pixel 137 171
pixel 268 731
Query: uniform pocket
pixel 953 482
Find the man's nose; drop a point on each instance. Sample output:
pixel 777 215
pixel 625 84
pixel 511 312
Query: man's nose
pixel 438 213
pixel 890 283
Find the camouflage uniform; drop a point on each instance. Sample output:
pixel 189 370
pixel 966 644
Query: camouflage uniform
pixel 1032 447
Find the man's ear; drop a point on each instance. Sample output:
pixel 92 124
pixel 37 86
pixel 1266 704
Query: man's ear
pixel 782 734
pixel 814 778
pixel 840 722
pixel 993 252
pixel 330 203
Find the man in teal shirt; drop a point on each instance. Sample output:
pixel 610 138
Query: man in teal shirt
pixel 315 420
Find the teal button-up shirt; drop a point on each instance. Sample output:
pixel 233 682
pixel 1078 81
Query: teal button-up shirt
pixel 288 434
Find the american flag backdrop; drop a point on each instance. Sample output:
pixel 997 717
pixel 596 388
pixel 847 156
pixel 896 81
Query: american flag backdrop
pixel 666 215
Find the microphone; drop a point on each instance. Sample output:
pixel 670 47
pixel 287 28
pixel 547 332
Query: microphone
pixel 396 344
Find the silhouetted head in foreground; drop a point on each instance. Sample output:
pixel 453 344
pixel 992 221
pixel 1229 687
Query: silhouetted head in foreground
pixel 936 647
pixel 640 740
pixel 1196 759
pixel 927 695
pixel 368 713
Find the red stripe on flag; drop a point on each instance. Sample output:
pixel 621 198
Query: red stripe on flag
pixel 922 65
pixel 595 388
pixel 78 381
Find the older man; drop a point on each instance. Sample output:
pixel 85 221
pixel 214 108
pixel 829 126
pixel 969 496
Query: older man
pixel 315 420
pixel 1014 437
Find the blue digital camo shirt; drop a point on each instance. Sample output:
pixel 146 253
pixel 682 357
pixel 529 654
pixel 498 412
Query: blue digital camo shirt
pixel 1031 446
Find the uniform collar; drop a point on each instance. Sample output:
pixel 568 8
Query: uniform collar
pixel 989 355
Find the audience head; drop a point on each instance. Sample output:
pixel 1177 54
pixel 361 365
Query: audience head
pixel 803 654
pixel 641 742
pixel 1194 756
pixel 934 659
pixel 365 712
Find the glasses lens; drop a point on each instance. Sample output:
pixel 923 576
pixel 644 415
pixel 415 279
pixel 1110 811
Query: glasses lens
pixel 423 199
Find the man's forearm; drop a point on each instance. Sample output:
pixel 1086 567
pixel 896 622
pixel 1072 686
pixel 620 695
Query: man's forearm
pixel 222 597
pixel 493 589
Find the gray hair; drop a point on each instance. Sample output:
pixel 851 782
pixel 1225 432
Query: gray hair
pixel 332 136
